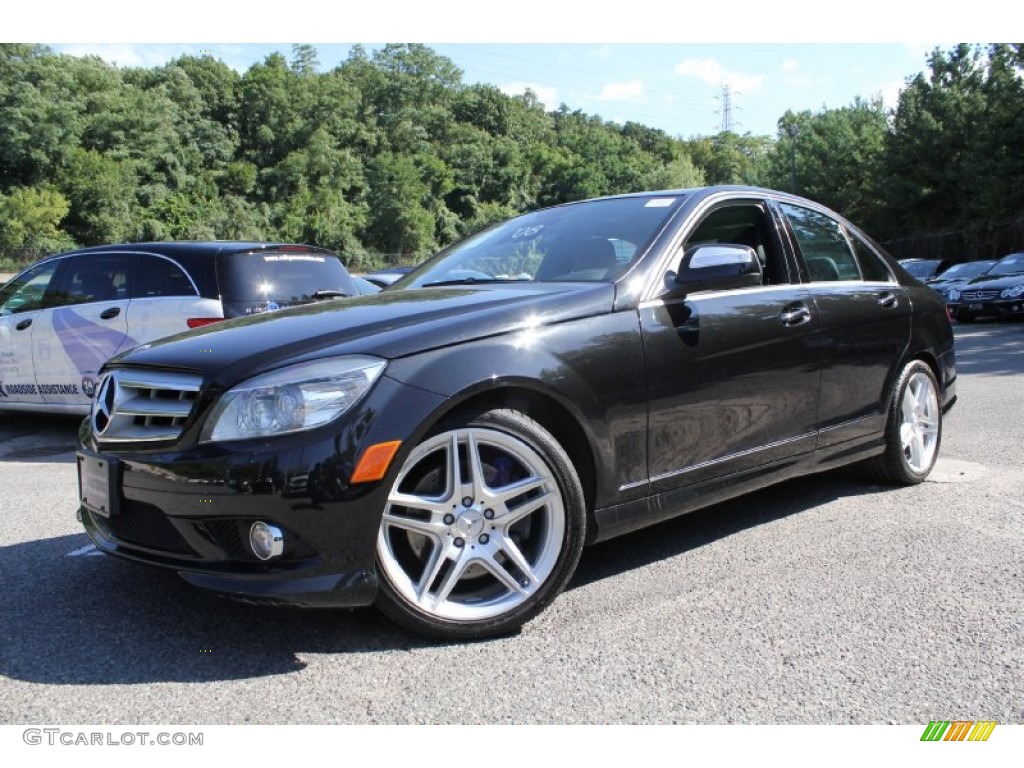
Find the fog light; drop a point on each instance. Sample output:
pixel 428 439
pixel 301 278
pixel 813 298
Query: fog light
pixel 267 541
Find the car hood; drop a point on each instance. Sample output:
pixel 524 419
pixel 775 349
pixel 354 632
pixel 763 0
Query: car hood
pixel 995 283
pixel 389 325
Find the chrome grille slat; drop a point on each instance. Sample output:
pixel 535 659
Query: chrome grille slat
pixel 138 406
pixel 134 405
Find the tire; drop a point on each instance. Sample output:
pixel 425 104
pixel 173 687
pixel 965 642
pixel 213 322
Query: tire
pixel 913 430
pixel 483 528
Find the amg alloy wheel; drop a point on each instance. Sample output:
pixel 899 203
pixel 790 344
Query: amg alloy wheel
pixel 483 528
pixel 914 428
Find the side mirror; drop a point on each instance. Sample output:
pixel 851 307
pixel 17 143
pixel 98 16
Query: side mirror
pixel 717 268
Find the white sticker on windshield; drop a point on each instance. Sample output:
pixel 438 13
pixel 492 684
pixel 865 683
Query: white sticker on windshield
pixel 659 202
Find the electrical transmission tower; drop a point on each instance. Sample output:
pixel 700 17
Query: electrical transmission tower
pixel 727 123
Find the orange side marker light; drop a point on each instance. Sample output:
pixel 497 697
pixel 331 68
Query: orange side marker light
pixel 374 463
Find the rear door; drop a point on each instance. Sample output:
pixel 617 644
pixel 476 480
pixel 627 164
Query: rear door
pixel 865 321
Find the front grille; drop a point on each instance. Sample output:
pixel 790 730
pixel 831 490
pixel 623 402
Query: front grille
pixel 979 295
pixel 143 525
pixel 140 405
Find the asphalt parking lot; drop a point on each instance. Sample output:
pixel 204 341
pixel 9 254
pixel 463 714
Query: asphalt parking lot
pixel 823 600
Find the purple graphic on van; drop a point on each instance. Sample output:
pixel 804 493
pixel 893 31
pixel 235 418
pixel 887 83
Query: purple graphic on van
pixel 87 344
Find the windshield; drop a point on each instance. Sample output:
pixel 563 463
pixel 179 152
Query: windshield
pixel 1008 265
pixel 593 241
pixel 920 268
pixel 970 269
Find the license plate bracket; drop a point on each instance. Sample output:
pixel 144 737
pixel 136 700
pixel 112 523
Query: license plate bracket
pixel 98 488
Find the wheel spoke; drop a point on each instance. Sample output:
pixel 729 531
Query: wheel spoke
pixel 476 469
pixel 515 555
pixel 430 570
pixel 425 504
pixel 916 450
pixel 906 436
pixel 459 564
pixel 907 409
pixel 528 507
pixel 431 527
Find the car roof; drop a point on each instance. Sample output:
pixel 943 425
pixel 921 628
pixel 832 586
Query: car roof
pixel 198 248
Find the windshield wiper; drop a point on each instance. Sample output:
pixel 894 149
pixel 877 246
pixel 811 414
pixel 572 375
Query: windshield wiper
pixel 476 280
pixel 328 294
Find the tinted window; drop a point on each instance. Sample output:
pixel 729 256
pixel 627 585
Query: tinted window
pixel 26 291
pixel 158 277
pixel 871 264
pixel 280 278
pixel 92 277
pixel 592 241
pixel 743 224
pixel 823 245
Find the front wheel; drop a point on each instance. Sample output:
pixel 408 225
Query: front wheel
pixel 913 430
pixel 483 528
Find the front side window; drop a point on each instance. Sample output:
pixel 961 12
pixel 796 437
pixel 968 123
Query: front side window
pixel 743 224
pixel 822 244
pixel 26 291
pixel 594 241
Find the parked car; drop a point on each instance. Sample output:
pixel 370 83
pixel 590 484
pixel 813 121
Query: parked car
pixel 997 293
pixel 956 277
pixel 61 318
pixel 925 269
pixel 570 375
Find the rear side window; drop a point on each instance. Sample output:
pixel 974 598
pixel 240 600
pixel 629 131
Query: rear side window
pixel 88 278
pixel 823 245
pixel 871 264
pixel 154 277
pixel 258 281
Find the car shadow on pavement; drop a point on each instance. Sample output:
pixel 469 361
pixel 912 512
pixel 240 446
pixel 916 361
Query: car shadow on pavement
pixel 38 438
pixel 73 616
pixel 697 529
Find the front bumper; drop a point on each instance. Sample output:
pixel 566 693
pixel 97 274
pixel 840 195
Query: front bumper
pixel 998 308
pixel 189 509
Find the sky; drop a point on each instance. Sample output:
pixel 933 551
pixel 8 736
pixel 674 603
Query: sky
pixel 663 64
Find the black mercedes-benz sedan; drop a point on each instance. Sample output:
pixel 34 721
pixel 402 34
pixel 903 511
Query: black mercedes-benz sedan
pixel 997 293
pixel 445 449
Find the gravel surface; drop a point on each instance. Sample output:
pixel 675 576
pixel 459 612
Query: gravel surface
pixel 824 600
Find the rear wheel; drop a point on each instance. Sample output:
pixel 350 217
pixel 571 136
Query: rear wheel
pixel 483 528
pixel 913 430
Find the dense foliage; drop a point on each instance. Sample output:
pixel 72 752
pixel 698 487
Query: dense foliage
pixel 391 153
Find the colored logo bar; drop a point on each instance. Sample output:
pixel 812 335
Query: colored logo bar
pixel 958 730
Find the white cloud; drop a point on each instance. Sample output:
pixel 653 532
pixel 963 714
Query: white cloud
pixel 715 75
pixel 631 90
pixel 790 65
pixel 546 94
pixel 127 54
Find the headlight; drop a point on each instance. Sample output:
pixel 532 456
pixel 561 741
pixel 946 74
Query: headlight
pixel 952 295
pixel 291 399
pixel 1012 292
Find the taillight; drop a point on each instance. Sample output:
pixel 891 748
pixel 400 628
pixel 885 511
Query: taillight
pixel 199 322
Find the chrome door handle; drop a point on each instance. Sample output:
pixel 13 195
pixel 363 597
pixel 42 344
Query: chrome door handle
pixel 795 315
pixel 888 300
